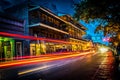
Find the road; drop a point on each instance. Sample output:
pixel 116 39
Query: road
pixel 98 66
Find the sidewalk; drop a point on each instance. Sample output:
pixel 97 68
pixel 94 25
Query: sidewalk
pixel 107 69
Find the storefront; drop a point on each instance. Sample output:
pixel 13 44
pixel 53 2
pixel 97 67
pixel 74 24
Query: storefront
pixel 10 44
pixel 37 48
pixel 76 46
pixel 52 47
pixel 7 48
pixel 10 48
pixel 42 47
pixel 18 48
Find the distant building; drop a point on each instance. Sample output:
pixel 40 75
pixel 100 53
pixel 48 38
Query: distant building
pixel 76 31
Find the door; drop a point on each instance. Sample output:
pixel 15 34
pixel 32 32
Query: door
pixel 2 55
pixel 19 49
pixel 32 49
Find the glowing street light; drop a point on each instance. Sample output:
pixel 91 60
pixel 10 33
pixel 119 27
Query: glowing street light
pixel 106 39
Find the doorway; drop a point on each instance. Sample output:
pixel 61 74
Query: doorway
pixel 18 49
pixel 6 48
pixel 33 49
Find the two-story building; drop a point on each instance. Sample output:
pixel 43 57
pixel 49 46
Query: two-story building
pixel 44 23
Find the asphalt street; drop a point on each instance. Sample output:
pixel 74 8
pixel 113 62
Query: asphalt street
pixel 99 66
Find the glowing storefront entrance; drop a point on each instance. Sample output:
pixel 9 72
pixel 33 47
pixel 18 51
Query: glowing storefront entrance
pixel 37 48
pixel 7 48
pixel 57 47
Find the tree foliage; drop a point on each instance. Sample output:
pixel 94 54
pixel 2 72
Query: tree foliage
pixel 107 11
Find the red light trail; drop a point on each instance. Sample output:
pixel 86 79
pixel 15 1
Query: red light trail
pixel 34 38
pixel 41 59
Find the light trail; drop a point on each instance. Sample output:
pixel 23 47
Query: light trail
pixel 36 60
pixel 35 69
pixel 48 66
pixel 34 38
pixel 48 54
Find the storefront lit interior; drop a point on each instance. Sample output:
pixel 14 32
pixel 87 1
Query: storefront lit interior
pixel 7 49
pixel 37 48
pixel 10 48
pixel 43 47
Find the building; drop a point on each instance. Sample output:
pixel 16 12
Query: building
pixel 76 31
pixel 40 23
pixel 10 46
pixel 61 33
pixel 44 23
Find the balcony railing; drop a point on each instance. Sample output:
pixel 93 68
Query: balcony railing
pixel 37 20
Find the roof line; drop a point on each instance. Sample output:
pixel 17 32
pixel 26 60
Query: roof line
pixel 54 16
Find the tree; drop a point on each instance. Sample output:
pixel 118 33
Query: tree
pixel 105 11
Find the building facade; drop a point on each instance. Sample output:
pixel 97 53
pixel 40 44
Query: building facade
pixel 40 23
pixel 10 46
pixel 76 31
pixel 44 23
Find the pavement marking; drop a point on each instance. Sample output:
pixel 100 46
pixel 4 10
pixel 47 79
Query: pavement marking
pixel 35 69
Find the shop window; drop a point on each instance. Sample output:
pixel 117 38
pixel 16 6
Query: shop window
pixel 7 48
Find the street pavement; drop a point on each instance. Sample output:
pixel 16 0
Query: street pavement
pixel 97 66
